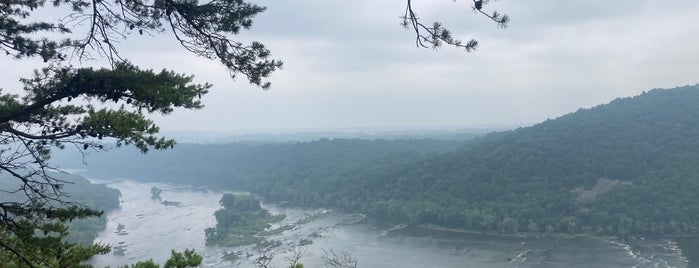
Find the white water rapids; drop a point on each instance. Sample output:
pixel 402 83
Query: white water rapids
pixel 152 229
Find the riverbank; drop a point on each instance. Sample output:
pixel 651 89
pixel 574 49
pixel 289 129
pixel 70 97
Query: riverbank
pixel 153 229
pixel 437 228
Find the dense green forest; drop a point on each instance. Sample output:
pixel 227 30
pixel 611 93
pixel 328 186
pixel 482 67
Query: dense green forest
pixel 624 168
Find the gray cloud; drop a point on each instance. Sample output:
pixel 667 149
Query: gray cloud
pixel 349 64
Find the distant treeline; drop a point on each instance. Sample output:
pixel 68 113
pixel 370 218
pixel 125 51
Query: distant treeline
pixel 242 165
pixel 644 151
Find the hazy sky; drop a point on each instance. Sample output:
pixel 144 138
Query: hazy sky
pixel 349 64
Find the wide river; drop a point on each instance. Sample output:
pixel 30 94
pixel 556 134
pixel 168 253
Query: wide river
pixel 151 229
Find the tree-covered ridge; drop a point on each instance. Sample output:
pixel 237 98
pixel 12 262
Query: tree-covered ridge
pixel 524 180
pixel 642 151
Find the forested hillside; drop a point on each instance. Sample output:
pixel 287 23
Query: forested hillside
pixel 627 167
pixel 550 177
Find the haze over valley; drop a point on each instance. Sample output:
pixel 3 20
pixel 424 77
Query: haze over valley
pixel 345 134
pixel 616 171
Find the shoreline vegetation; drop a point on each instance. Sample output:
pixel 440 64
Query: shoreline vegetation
pixel 258 241
pixel 437 228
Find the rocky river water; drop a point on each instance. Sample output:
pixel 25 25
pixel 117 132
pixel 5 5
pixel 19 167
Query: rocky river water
pixel 150 229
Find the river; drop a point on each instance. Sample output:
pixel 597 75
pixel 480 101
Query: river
pixel 151 230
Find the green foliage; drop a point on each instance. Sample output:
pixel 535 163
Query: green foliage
pixel 143 90
pixel 63 105
pixel 60 236
pixel 526 179
pixel 142 264
pixel 227 201
pixel 41 244
pixel 202 29
pixel 245 203
pixel 41 120
pixel 240 222
pixel 185 259
pixel 182 260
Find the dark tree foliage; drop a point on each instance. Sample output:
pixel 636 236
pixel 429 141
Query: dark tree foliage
pixel 67 106
pixel 185 259
pixel 203 29
pixel 57 247
pixel 48 117
pixel 240 221
pixel 227 201
pixel 436 35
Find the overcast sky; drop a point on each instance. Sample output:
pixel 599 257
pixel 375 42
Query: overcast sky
pixel 350 65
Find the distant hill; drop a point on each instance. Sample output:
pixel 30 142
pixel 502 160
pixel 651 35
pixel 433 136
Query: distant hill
pixel 282 137
pixel 539 178
pixel 623 168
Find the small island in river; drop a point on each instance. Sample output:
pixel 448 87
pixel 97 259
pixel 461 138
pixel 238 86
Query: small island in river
pixel 240 222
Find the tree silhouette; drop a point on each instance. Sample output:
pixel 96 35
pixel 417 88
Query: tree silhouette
pixel 436 35
pixel 67 106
